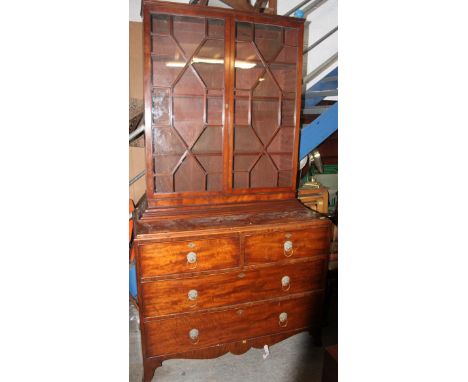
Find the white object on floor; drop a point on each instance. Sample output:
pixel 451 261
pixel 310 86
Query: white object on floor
pixel 266 352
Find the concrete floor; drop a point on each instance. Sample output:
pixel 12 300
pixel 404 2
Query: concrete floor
pixel 295 359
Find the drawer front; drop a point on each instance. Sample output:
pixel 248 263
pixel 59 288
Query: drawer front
pixel 167 258
pixel 196 331
pixel 283 245
pixel 164 297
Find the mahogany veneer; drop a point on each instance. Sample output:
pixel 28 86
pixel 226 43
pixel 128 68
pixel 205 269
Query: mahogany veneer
pixel 226 256
pixel 171 296
pixel 242 322
pixel 171 258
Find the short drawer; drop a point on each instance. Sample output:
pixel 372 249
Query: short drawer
pixel 189 332
pixel 165 297
pixel 188 256
pixel 275 246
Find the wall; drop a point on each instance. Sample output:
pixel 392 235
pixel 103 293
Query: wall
pixel 136 154
pixel 134 12
pixel 136 60
pixel 319 22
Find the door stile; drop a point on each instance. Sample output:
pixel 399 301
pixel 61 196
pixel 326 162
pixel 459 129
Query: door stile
pixel 229 103
pixel 300 47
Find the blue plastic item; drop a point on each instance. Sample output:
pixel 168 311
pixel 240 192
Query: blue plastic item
pixel 318 130
pixel 133 280
pixel 323 84
pixel 299 13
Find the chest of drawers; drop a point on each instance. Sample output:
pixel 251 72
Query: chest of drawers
pixel 227 258
pixel 207 286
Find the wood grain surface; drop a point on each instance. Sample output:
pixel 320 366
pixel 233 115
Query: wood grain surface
pixel 160 298
pixel 167 336
pixel 171 257
pixel 269 247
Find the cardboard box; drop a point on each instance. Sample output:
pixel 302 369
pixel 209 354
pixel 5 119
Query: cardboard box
pixel 137 164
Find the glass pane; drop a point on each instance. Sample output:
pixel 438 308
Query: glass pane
pixel 189 33
pixel 214 182
pixel 248 67
pixel 268 39
pixel 166 141
pixel 266 87
pixel 163 183
pixel 210 163
pixel 288 54
pixel 209 63
pixel 168 61
pixel 215 92
pixel 283 141
pixel 189 176
pixel 244 162
pixel 245 140
pixel 210 141
pixel 190 83
pixel 288 110
pixel 265 118
pixel 264 173
pixel 240 180
pixel 213 165
pixel 161 24
pixel 165 164
pixel 285 76
pixel 242 93
pixel 244 31
pixel 290 36
pixel 188 117
pixel 246 51
pixel 282 162
pixel 161 107
pixel 215 28
pixel 214 113
pixel 241 111
pixel 284 179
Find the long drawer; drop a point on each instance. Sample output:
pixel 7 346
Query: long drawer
pixel 275 246
pixel 167 258
pixel 189 332
pixel 203 292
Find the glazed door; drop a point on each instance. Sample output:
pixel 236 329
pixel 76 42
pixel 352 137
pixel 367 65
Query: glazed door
pixel 265 86
pixel 187 93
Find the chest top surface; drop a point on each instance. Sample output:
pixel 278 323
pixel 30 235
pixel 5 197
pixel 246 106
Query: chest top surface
pixel 222 105
pixel 249 217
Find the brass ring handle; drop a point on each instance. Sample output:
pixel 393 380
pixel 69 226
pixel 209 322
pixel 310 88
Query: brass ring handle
pixel 192 297
pixel 288 248
pixel 193 334
pixel 285 283
pixel 192 294
pixel 283 319
pixel 192 259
